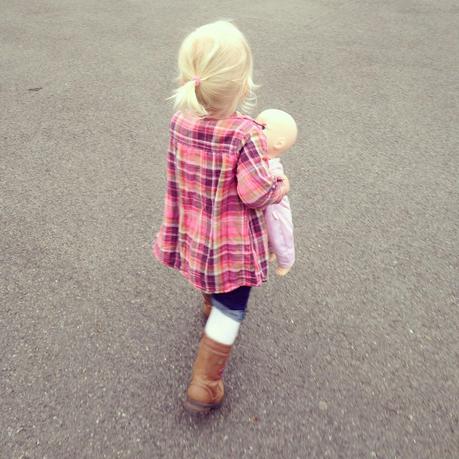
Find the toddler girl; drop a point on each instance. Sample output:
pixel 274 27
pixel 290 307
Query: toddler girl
pixel 218 183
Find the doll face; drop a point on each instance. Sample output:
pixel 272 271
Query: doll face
pixel 280 130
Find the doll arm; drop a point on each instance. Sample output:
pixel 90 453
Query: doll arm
pixel 256 186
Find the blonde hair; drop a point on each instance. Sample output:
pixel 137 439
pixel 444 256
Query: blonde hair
pixel 215 71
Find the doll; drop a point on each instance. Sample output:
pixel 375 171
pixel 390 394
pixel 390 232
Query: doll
pixel 281 132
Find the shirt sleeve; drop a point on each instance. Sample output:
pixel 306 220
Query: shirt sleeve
pixel 256 186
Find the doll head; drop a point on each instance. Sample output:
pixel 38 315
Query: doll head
pixel 280 130
pixel 215 71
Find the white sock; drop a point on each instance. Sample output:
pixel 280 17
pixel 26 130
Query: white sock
pixel 221 328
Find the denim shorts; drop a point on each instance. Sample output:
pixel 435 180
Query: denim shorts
pixel 233 304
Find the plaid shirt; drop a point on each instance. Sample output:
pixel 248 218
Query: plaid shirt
pixel 218 184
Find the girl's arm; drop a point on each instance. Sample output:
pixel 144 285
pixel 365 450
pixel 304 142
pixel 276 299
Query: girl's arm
pixel 256 186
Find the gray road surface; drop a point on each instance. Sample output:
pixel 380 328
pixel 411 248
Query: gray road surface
pixel 355 354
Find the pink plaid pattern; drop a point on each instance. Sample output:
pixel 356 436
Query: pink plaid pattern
pixel 218 184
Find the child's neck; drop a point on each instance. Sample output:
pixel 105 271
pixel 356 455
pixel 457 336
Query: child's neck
pixel 220 115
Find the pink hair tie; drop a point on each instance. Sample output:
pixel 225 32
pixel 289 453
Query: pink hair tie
pixel 197 80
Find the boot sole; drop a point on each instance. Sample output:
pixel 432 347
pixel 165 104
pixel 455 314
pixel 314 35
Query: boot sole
pixel 195 407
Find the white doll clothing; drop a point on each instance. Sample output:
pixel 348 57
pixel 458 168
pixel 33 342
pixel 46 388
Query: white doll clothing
pixel 280 225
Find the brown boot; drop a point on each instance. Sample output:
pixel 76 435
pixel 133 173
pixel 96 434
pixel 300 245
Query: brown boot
pixel 207 305
pixel 205 391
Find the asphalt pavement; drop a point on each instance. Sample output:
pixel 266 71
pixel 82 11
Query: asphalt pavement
pixel 354 354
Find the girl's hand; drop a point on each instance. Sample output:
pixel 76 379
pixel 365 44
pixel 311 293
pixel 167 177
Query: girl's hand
pixel 285 183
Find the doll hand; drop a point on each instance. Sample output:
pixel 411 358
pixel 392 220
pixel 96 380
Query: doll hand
pixel 282 271
pixel 272 257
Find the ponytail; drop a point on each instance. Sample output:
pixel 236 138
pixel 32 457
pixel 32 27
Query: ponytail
pixel 186 99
